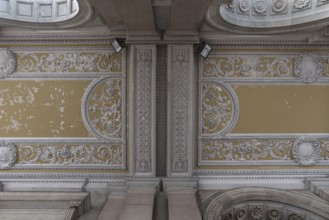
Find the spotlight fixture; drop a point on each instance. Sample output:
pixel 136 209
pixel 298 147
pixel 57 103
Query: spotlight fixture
pixel 118 44
pixel 204 49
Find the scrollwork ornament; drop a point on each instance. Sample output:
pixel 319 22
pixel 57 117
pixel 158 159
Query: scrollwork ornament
pixel 279 6
pixel 308 68
pixel 260 6
pixel 8 155
pixel 244 6
pixel 274 214
pixel 7 62
pixel 306 151
pixel 255 213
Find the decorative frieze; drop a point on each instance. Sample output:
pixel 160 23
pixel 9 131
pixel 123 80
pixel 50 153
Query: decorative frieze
pixel 180 109
pixel 59 154
pixel 68 61
pixel 267 66
pixel 142 103
pixel 264 151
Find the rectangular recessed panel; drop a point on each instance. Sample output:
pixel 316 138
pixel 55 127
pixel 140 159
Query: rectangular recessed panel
pixel 45 10
pixel 24 9
pixel 62 9
pixel 4 6
pixel 42 108
pixel 283 109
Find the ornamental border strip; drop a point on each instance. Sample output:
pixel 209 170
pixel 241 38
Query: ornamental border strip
pixel 251 172
pixel 266 137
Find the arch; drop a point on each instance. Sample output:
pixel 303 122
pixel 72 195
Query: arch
pixel 219 203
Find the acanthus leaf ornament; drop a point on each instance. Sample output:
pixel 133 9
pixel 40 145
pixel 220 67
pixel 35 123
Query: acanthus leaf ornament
pixel 8 155
pixel 7 62
pixel 306 151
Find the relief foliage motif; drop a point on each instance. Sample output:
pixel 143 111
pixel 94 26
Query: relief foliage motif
pixel 38 62
pixel 104 108
pixel 70 154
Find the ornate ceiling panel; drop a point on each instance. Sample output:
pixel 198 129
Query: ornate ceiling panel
pixel 63 107
pixel 263 108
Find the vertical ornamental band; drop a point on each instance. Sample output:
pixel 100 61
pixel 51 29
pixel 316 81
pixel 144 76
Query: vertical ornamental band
pixel 142 110
pixel 180 110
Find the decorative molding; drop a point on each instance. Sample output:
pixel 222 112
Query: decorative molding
pixel 143 106
pixel 8 155
pixel 180 110
pixel 7 62
pixel 306 150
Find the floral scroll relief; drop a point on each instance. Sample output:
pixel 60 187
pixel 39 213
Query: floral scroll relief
pixel 102 108
pixel 219 108
pixel 70 154
pixel 252 150
pixel 248 66
pixel 30 62
pixel 7 62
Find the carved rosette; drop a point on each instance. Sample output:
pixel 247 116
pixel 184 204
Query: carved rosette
pixel 308 68
pixel 219 108
pixel 8 155
pixel 279 6
pixel 274 214
pixel 306 151
pixel 102 108
pixel 7 62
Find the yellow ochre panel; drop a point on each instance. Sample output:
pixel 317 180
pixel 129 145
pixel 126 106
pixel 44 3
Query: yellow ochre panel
pixel 283 109
pixel 42 108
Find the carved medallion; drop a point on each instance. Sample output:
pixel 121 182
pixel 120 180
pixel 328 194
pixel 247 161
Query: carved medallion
pixel 308 68
pixel 306 151
pixel 295 217
pixel 102 108
pixel 274 214
pixel 255 213
pixel 279 6
pixel 7 62
pixel 8 155
pixel 219 108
